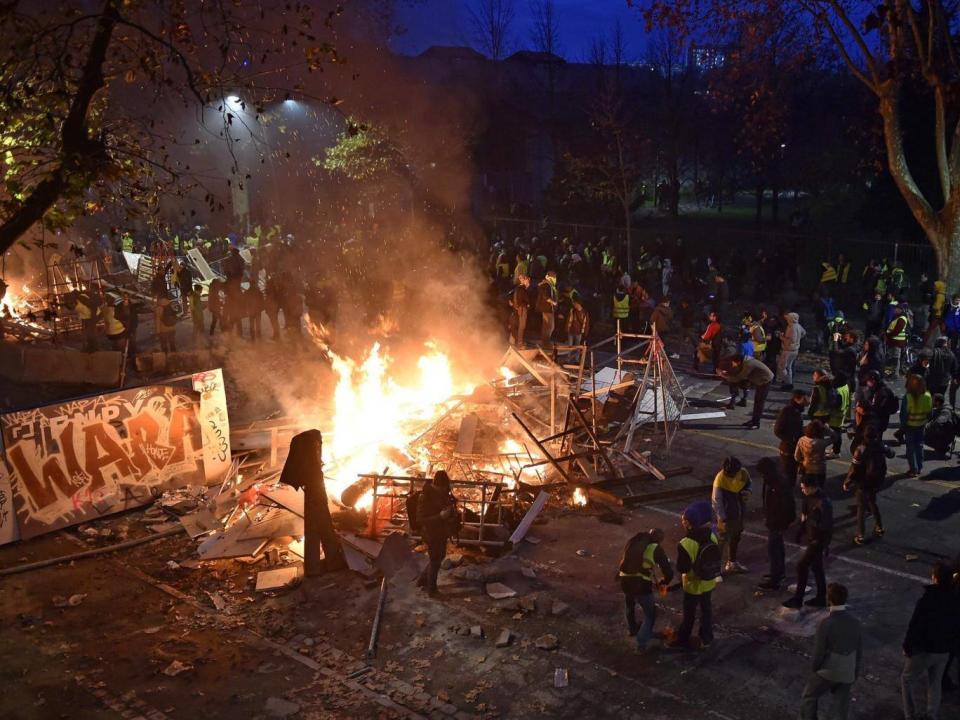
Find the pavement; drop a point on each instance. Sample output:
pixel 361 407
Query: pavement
pixel 146 641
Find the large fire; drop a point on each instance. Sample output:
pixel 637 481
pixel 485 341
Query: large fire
pixel 376 416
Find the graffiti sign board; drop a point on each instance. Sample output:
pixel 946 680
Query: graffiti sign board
pixel 78 460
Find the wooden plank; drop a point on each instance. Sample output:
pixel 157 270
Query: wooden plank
pixel 467 434
pixel 535 507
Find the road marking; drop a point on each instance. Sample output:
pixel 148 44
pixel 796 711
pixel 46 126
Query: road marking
pixel 842 558
pixel 759 446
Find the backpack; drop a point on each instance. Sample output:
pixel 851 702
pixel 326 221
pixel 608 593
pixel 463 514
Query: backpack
pixel 413 511
pixel 168 315
pixel 891 404
pixel 707 564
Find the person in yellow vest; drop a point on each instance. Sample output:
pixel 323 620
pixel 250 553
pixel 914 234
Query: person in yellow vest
pixel 915 409
pixel 521 268
pixel 621 306
pixel 896 337
pixel 165 321
pixel 115 330
pixel 126 242
pixel 837 420
pixel 731 487
pixel 642 555
pixel 698 562
pixel 757 335
pixel 829 274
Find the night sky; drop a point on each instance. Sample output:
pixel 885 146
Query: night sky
pixel 446 22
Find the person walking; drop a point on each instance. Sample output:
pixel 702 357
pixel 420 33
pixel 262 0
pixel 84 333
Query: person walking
pixel 779 511
pixel 790 340
pixel 875 403
pixel 816 528
pixel 840 413
pixel 642 555
pixel 789 429
pixel 698 562
pixel 868 470
pixel 932 634
pixel 896 339
pixel 915 409
pixel 837 658
pixel 942 368
pixel 810 454
pixel 731 488
pixel 437 516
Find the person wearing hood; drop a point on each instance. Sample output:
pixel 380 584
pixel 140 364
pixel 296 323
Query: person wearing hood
pixel 931 636
pixel 874 310
pixel 779 511
pixel 436 515
pixel 662 316
pixel 698 562
pixel 875 402
pixel 811 453
pixel 547 301
pixel 871 357
pixel 941 429
pixel 843 359
pixel 642 555
pixel 791 337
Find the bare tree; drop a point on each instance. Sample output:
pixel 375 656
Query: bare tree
pixel 546 27
pixel 492 23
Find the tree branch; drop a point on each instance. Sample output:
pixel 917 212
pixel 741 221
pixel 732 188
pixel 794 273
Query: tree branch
pixel 77 150
pixel 940 140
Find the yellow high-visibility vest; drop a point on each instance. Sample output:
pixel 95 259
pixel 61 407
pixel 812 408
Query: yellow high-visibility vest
pixel 918 409
pixel 901 334
pixel 829 273
pixel 648 564
pixel 691 583
pixel 621 308
pixel 110 322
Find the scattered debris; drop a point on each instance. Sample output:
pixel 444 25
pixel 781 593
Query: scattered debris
pixel 279 579
pixel 218 602
pixel 175 668
pixel 910 557
pixel 504 638
pixel 173 565
pixel 547 642
pixel 561 678
pixel 477 631
pixel 559 608
pixel 72 601
pixel 584 553
pixel 451 561
pixel 528 572
pixel 499 591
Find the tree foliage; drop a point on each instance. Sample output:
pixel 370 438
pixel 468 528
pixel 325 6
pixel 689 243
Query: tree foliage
pixel 363 152
pixel 93 96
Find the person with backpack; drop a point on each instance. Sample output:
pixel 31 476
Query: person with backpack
pixel 868 470
pixel 915 409
pixel 698 562
pixel 642 554
pixel 837 658
pixel 811 453
pixel 779 511
pixel 875 403
pixel 823 399
pixel 438 520
pixel 731 487
pixel 816 528
pixel 931 636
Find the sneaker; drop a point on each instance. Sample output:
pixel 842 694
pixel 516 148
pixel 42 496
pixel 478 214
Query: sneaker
pixel 751 425
pixel 729 568
pixel 878 531
pixel 793 603
pixel 817 602
pixel 770 584
pixel 739 567
pixel 730 405
pixel 742 402
pixel 858 540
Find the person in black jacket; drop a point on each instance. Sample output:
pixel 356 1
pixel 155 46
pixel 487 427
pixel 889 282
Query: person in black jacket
pixel 779 510
pixel 868 470
pixel 942 367
pixel 642 554
pixel 789 429
pixel 816 526
pixel 436 511
pixel 931 636
pixel 874 403
pixel 843 359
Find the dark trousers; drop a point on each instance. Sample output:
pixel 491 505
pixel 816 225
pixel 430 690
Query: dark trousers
pixel 867 500
pixel 789 465
pixel 759 401
pixel 89 328
pixel 913 437
pixel 690 605
pixel 437 550
pixel 168 341
pixel 837 439
pixel 816 688
pixel 646 602
pixel 776 552
pixel 812 558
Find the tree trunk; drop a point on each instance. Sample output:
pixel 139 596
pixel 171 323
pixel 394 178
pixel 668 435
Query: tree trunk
pixel 946 248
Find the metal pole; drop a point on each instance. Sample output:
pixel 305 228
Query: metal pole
pixel 375 630
pixel 619 357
